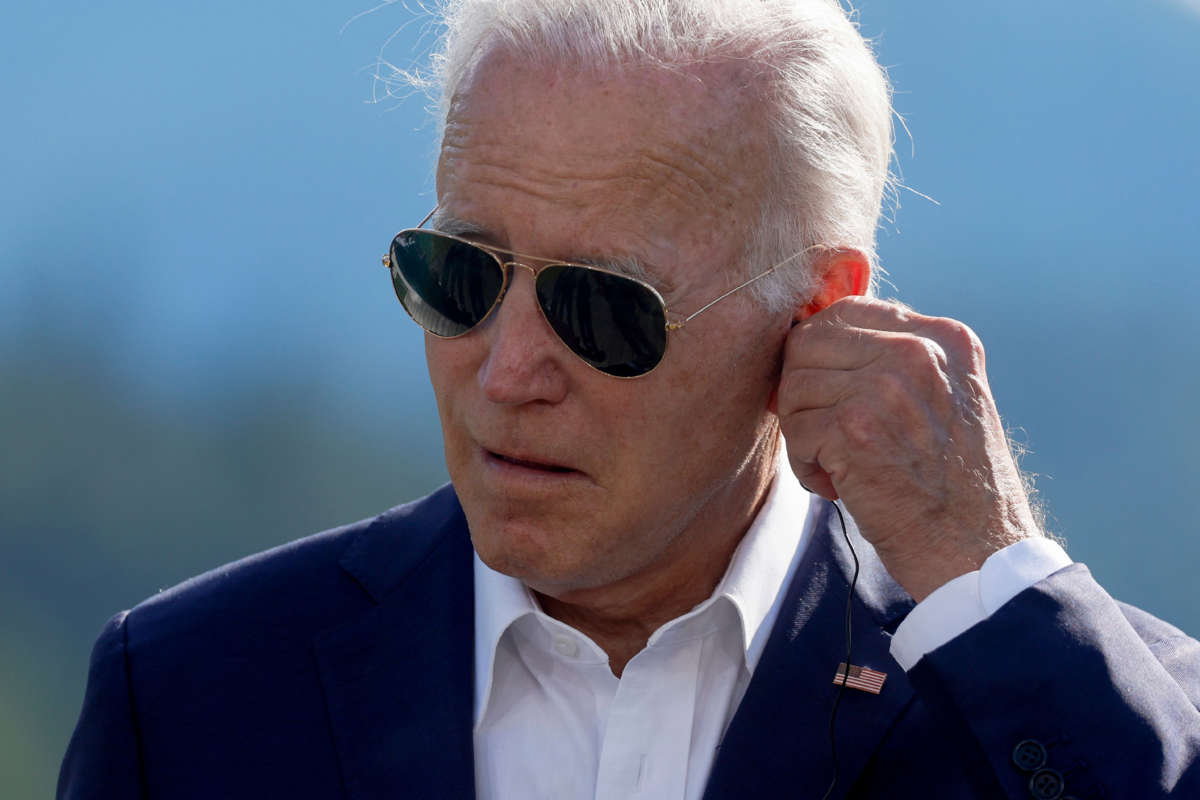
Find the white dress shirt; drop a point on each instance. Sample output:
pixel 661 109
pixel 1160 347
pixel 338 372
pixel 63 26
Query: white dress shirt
pixel 552 722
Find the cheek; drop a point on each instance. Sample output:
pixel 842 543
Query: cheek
pixel 451 363
pixel 720 403
pixel 439 377
pixel 450 376
pixel 681 422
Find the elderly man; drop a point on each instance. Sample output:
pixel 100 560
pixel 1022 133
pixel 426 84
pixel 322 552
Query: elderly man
pixel 646 293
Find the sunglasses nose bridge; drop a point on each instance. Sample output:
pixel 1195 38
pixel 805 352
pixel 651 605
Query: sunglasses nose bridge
pixel 519 345
pixel 510 276
pixel 532 272
pixel 509 269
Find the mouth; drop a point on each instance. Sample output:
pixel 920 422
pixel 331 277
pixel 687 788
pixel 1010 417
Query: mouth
pixel 529 464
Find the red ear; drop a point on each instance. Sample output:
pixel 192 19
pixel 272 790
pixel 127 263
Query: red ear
pixel 844 272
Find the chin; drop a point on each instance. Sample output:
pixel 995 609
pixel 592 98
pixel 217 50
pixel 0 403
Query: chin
pixel 541 557
pixel 517 548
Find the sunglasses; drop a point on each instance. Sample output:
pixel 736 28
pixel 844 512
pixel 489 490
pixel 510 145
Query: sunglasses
pixel 614 323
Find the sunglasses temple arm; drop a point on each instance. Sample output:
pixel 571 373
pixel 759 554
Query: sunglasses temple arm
pixel 674 326
pixel 677 325
pixel 428 217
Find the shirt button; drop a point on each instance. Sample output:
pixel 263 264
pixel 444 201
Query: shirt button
pixel 565 646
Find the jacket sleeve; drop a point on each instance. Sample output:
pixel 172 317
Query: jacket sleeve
pixel 1107 700
pixel 103 759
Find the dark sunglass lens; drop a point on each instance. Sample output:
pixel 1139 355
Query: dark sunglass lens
pixel 615 324
pixel 447 286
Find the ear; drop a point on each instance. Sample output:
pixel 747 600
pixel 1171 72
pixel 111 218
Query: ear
pixel 841 273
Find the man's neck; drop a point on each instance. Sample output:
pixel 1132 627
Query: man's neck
pixel 621 617
pixel 622 629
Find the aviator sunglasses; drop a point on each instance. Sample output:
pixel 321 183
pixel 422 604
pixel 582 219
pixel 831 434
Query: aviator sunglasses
pixel 614 323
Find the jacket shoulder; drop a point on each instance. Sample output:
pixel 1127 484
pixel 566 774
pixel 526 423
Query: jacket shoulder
pixel 219 687
pixel 1178 652
pixel 298 588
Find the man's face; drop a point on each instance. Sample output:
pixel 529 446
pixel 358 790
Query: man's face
pixel 570 479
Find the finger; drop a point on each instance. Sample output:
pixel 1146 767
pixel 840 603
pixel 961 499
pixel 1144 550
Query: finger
pixel 809 388
pixel 836 346
pixel 882 422
pixel 889 395
pixel 877 358
pixel 815 480
pixel 806 434
pixel 952 336
pixel 869 312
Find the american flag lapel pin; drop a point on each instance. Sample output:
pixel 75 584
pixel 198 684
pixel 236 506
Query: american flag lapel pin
pixel 862 678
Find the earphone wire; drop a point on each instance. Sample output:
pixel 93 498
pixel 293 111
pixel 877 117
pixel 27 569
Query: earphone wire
pixel 837 699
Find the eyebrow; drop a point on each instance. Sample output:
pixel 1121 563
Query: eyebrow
pixel 454 226
pixel 622 265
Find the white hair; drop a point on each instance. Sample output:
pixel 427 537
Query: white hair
pixel 828 102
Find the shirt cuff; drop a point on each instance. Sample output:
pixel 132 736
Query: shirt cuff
pixel 971 598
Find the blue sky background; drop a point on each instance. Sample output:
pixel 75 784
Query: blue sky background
pixel 194 198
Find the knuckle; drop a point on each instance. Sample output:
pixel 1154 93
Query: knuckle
pixel 858 423
pixel 923 355
pixel 958 337
pixel 798 337
pixel 973 346
pixel 790 387
pixel 796 347
pixel 903 311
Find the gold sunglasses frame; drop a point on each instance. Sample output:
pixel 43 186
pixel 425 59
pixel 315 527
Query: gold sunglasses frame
pixel 507 281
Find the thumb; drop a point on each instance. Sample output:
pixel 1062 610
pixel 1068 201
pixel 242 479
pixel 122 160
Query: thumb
pixel 814 479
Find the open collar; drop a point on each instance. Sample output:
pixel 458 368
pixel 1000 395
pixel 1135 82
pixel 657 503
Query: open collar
pixel 760 568
pixel 398 679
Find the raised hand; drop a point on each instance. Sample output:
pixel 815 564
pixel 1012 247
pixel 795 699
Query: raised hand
pixel 891 411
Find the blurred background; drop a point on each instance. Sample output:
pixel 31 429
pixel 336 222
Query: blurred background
pixel 201 357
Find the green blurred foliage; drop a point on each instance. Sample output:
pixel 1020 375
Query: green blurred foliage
pixel 106 498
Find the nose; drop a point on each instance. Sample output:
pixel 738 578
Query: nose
pixel 524 358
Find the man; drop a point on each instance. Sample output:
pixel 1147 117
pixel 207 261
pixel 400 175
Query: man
pixel 645 290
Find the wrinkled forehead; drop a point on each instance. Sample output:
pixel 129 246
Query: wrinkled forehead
pixel 676 157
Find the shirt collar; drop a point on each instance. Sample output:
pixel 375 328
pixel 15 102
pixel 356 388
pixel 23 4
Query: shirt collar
pixel 760 569
pixel 766 558
pixel 500 600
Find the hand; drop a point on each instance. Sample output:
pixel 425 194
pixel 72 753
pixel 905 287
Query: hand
pixel 891 411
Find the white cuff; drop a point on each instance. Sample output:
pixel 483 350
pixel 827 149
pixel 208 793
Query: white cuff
pixel 971 598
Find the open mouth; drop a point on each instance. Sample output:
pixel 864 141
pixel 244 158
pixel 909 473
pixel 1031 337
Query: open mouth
pixel 521 462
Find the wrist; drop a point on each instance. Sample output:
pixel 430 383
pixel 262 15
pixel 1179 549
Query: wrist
pixel 922 571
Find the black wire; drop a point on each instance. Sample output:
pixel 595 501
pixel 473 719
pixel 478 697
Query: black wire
pixel 846 667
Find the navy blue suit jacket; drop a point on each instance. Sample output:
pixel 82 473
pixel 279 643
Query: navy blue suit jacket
pixel 340 666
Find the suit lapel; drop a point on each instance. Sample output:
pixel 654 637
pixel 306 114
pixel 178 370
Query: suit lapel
pixel 398 682
pixel 397 679
pixel 779 735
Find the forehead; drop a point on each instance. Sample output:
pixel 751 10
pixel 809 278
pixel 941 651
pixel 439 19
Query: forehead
pixel 646 163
